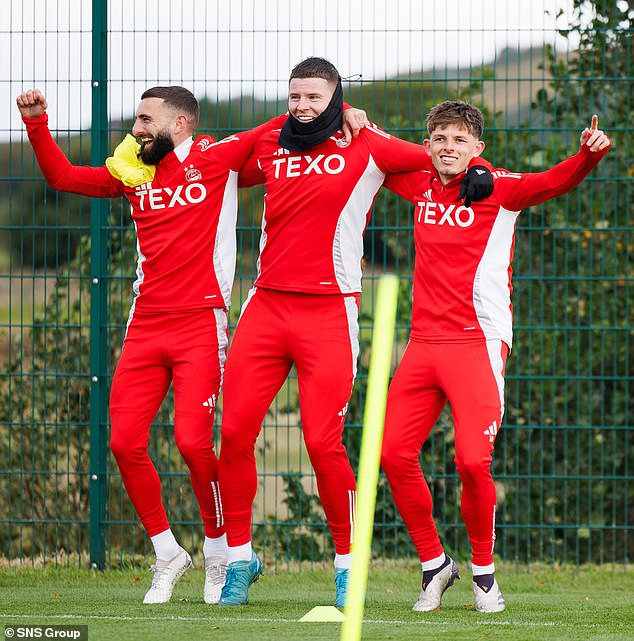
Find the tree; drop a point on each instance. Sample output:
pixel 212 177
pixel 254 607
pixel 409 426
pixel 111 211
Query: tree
pixel 569 404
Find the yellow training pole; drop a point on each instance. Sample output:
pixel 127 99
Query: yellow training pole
pixel 368 476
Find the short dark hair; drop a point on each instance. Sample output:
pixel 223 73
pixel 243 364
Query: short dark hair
pixel 456 112
pixel 315 68
pixel 178 98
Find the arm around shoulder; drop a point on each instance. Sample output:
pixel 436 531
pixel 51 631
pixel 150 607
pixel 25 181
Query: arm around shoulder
pixel 242 145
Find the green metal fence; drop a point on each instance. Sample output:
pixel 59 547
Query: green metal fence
pixel 564 461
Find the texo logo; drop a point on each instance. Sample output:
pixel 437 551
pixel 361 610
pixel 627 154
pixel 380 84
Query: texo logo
pixel 163 197
pixel 291 167
pixel 439 214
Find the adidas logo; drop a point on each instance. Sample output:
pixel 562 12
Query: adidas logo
pixel 480 172
pixel 491 431
pixel 210 403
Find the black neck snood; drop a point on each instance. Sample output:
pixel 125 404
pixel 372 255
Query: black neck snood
pixel 298 136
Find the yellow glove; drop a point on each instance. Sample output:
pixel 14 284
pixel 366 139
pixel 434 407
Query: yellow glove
pixel 126 166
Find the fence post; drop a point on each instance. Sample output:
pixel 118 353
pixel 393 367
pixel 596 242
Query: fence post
pixel 98 289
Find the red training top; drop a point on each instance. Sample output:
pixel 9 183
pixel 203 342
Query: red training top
pixel 185 218
pixel 462 274
pixel 317 206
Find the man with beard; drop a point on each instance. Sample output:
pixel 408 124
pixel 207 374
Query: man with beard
pixel 183 197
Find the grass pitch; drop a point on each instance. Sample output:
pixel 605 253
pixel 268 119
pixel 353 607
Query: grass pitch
pixel 546 605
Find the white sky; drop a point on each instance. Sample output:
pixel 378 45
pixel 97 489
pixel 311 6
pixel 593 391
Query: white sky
pixel 232 47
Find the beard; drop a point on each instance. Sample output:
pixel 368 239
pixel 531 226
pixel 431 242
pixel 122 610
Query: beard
pixel 161 146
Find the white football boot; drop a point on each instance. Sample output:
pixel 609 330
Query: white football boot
pixel 215 575
pixel 166 573
pixel 431 594
pixel 491 601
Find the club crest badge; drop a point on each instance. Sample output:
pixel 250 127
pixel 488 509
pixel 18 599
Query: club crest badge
pixel 192 174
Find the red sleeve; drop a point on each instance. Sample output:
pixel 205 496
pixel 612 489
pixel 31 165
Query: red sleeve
pixel 60 173
pixel 403 184
pixel 240 146
pixel 516 191
pixel 251 174
pixel 406 184
pixel 393 155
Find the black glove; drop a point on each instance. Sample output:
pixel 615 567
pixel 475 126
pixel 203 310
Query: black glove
pixel 476 185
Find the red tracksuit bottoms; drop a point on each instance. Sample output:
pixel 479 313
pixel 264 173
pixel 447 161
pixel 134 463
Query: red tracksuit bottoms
pixel 188 349
pixel 319 334
pixel 470 375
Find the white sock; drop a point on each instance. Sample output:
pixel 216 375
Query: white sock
pixel 479 570
pixel 216 547
pixel 432 564
pixel 343 561
pixel 165 545
pixel 239 552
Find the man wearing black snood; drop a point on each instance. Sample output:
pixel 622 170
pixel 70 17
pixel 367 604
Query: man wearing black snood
pixel 302 132
pixel 303 308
